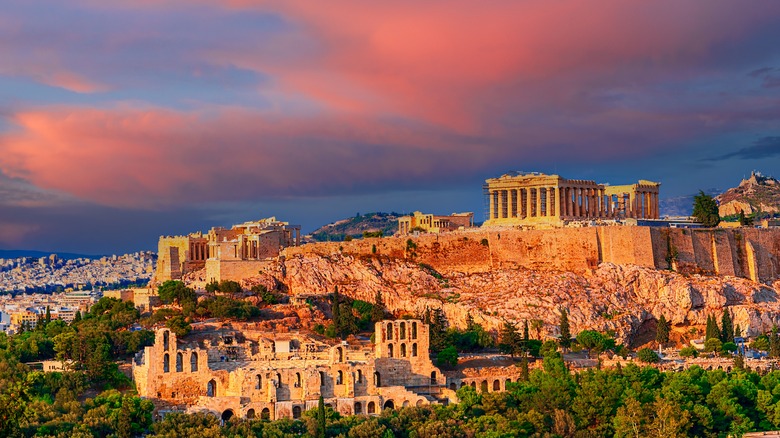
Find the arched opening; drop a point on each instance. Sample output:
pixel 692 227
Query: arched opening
pixel 227 415
pixel 419 402
pixel 405 404
pixel 166 337
pixel 278 380
pixel 389 405
pixel 371 408
pixel 484 386
pixel 414 350
pixel 250 414
pixel 358 408
pixel 179 363
pixel 389 350
pixel 296 412
pixel 322 378
pixel 506 384
pixel 273 347
pixel 297 380
pixel 359 376
pixel 452 386
pixel 496 385
pixel 340 378
pixel 433 377
pixel 474 385
pixel 258 382
pixel 403 350
pixel 414 330
pixel 194 362
pixel 265 414
pixel 402 331
pixel 166 363
pixel 211 388
pixel 389 331
pixel 377 379
pixel 340 354
pixel 462 384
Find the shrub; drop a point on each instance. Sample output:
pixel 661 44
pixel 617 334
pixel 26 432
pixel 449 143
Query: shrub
pixel 647 355
pixel 689 352
pixel 713 344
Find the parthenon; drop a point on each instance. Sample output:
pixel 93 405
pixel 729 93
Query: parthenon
pixel 536 198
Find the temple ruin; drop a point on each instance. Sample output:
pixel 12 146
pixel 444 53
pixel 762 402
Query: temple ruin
pixel 535 198
pixel 226 254
pixel 429 223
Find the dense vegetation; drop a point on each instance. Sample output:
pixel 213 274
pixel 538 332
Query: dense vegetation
pixel 378 223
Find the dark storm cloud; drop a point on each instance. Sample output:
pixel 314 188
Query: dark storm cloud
pixel 765 147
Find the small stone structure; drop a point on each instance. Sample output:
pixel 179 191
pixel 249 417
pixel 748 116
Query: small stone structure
pixel 430 223
pixel 535 198
pixel 227 254
pixel 259 374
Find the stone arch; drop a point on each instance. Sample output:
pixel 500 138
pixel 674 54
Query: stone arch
pixel 414 349
pixel 403 350
pixel 496 385
pixel 483 386
pixel 405 404
pixel 389 350
pixel 322 378
pixel 258 382
pixel 358 408
pixel 389 405
pixel 414 330
pixel 359 376
pixel 340 378
pixel 377 379
pixel 340 354
pixel 402 331
pixel 194 362
pixel 462 384
pixel 179 362
pixel 227 414
pixel 273 346
pixel 474 384
pixel 211 388
pixel 166 340
pixel 265 414
pixel 506 383
pixel 433 377
pixel 389 334
pixel 453 386
pixel 278 380
pixel 371 408
pixel 250 414
pixel 297 380
pixel 296 412
pixel 166 363
pixel 420 402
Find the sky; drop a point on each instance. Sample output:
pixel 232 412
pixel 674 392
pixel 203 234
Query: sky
pixel 125 120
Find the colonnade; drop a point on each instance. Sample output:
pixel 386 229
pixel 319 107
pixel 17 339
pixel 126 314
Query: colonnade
pixel 572 202
pixel 199 250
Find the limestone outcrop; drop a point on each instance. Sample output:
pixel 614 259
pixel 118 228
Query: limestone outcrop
pixel 619 298
pixel 757 193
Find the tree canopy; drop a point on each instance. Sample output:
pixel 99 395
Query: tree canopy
pixel 705 210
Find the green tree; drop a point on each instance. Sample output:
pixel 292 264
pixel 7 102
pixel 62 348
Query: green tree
pixel 179 325
pixel 662 330
pixel 564 329
pixel 647 355
pixel 447 358
pixel 510 338
pixel 321 423
pixel 378 311
pixel 774 343
pixel 705 210
pixel 727 327
pixel 712 330
pixel 537 325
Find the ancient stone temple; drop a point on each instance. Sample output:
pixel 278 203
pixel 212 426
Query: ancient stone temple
pixel 225 253
pixel 536 198
pixel 280 375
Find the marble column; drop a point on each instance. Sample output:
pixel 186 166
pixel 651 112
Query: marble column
pixel 538 202
pixel 557 202
pixel 528 209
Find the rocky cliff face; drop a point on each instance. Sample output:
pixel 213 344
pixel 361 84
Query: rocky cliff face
pixel 757 193
pixel 623 299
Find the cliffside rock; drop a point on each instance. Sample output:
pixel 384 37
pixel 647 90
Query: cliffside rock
pixel 757 193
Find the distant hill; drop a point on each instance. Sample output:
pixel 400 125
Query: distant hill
pixel 18 253
pixel 681 205
pixel 756 194
pixel 355 226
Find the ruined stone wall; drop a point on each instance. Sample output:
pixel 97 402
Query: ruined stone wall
pixel 236 270
pixel 171 254
pixel 746 252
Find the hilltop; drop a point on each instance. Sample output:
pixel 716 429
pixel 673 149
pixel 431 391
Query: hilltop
pixel 756 194
pixel 355 226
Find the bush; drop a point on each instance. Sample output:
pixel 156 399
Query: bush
pixel 713 344
pixel 729 347
pixel 647 355
pixel 447 358
pixel 689 352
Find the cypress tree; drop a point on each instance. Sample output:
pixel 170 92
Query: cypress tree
pixel 564 329
pixel 335 305
pixel 378 311
pixel 712 331
pixel 509 338
pixel 321 425
pixel 524 369
pixel 77 316
pixel 662 330
pixel 48 315
pixel 774 343
pixel 727 327
pixel 525 330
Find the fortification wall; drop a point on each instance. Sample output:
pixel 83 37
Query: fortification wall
pixel 171 253
pixel 750 253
